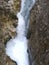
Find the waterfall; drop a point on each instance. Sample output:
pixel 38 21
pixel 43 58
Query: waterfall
pixel 26 6
pixel 16 48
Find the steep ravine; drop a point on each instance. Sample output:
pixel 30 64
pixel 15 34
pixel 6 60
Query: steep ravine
pixel 38 31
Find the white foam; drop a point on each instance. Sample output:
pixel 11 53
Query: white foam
pixel 21 25
pixel 16 49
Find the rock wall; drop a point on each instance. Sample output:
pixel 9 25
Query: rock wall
pixel 38 33
pixel 39 28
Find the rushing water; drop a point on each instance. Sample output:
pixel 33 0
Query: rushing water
pixel 16 48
